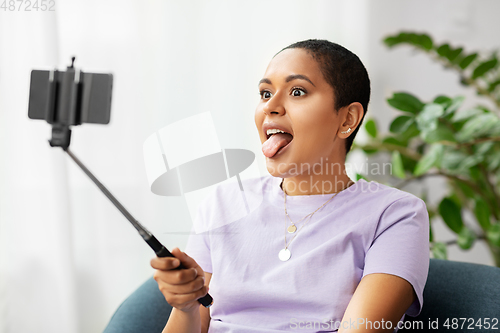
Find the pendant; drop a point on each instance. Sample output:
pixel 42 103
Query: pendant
pixel 291 229
pixel 285 254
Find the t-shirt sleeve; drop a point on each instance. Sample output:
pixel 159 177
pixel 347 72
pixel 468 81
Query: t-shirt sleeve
pixel 401 246
pixel 198 244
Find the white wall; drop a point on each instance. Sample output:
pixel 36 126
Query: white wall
pixel 170 60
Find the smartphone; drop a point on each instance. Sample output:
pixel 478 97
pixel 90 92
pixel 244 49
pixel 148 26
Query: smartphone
pixel 70 97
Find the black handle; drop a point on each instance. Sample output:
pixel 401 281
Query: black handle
pixel 161 251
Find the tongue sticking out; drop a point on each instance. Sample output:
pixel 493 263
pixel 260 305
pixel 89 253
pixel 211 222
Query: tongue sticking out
pixel 275 142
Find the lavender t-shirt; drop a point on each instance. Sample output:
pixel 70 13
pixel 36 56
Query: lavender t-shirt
pixel 367 228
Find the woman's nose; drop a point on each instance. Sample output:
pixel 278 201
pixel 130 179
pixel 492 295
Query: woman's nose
pixel 274 106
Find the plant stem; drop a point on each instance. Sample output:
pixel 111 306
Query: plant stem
pixel 493 205
pixel 470 143
pixel 480 90
pixel 469 183
pixel 405 181
pixel 390 147
pixel 492 189
pixel 454 241
pixel 463 180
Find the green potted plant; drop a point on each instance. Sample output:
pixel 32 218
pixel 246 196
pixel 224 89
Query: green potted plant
pixel 440 138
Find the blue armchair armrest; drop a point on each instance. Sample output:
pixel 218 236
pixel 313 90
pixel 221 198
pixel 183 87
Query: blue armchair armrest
pixel 453 290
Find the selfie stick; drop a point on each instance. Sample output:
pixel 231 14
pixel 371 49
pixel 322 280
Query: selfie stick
pixel 160 250
pixel 61 137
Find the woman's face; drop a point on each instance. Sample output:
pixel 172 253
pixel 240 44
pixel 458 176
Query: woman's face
pixel 296 99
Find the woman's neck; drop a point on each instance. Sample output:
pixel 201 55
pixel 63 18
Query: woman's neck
pixel 311 183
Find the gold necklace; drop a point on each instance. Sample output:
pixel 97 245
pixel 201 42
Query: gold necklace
pixel 285 253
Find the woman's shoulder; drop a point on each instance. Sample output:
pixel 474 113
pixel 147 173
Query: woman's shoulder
pixel 384 207
pixel 378 194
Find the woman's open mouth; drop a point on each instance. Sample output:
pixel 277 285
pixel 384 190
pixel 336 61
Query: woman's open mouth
pixel 276 141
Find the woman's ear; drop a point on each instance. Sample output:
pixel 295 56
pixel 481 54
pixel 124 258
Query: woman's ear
pixel 352 117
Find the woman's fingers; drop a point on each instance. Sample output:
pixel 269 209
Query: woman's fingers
pixel 176 277
pixel 165 264
pixel 186 260
pixel 168 263
pixel 182 300
pixel 179 288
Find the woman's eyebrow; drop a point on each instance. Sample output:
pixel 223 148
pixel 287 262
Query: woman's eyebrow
pixel 288 79
pixel 264 80
pixel 298 77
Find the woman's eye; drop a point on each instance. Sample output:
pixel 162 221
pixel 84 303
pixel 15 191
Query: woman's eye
pixel 265 94
pixel 297 92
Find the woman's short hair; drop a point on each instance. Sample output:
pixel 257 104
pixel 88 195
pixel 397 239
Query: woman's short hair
pixel 344 71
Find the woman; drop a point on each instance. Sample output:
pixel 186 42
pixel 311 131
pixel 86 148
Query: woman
pixel 349 257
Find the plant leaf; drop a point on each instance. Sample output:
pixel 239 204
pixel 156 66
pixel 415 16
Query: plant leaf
pixel 484 67
pixel 477 126
pixel 495 130
pixel 493 234
pixel 474 173
pixel 369 151
pixel 430 159
pixel 422 41
pixel 439 250
pixel 452 159
pixel 397 165
pixel 360 176
pixel 408 163
pixel 443 100
pixel 465 238
pixel 453 54
pixel 400 124
pixel 393 141
pixel 405 102
pixel 468 113
pixel 454 105
pixel 443 50
pixel 441 133
pixel 483 147
pixel 426 42
pixel 465 62
pixel 468 162
pixel 371 128
pixel 493 85
pixel 391 41
pixel 428 118
pixel 482 212
pixel 450 212
pixel 409 132
pixel 466 189
pixel 493 161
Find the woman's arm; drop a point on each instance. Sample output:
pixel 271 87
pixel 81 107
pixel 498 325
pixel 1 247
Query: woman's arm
pixel 378 297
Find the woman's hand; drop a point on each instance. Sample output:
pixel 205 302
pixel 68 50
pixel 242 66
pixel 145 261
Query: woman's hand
pixel 181 288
